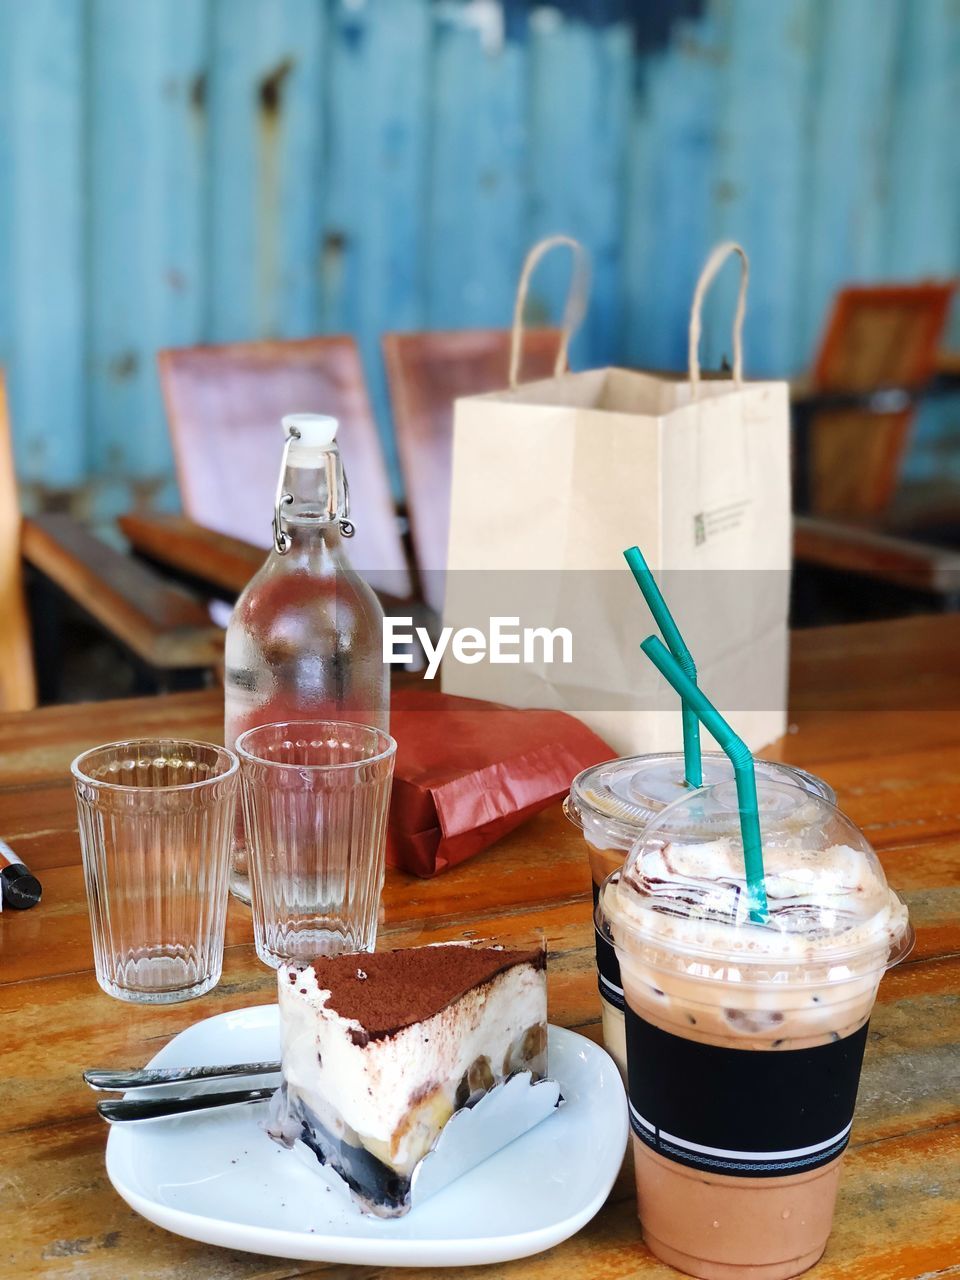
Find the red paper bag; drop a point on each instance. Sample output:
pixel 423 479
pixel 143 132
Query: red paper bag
pixel 467 772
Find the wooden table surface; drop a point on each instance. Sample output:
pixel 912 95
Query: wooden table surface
pixel 874 710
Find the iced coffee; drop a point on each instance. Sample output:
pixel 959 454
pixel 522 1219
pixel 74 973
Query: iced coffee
pixel 745 1038
pixel 612 803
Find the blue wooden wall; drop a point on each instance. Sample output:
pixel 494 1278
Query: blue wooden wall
pixel 177 171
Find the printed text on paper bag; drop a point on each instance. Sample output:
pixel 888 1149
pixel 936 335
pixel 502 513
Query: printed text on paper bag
pixel 718 520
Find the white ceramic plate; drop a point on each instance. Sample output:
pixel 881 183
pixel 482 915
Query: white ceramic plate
pixel 217 1177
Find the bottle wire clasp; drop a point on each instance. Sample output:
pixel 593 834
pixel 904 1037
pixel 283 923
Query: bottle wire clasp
pixel 347 527
pixel 281 539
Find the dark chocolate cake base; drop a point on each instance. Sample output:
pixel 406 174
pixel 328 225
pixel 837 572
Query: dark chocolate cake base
pixel 380 1189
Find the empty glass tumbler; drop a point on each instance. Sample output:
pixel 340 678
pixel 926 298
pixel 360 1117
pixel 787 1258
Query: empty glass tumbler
pixel 315 801
pixel 156 820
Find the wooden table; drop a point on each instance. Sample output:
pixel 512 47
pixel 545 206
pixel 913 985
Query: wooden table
pixel 876 713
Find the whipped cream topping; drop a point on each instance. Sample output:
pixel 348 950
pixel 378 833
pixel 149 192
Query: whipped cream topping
pixel 822 903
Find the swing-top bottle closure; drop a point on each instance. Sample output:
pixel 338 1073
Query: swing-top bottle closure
pixel 311 444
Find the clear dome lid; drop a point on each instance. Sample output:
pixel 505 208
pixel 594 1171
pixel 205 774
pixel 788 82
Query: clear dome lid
pixel 612 802
pixel 683 887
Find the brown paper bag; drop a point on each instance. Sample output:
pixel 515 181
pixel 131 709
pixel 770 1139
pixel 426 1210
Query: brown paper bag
pixel 552 481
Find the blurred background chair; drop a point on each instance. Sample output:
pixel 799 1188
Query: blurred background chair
pixel 18 686
pixel 164 631
pixel 224 405
pixel 426 373
pixel 853 418
pixel 879 350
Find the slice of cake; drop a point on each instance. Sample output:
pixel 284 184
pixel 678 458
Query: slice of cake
pixel 380 1050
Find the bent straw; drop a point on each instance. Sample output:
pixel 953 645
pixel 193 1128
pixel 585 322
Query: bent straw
pixel 692 765
pixel 743 770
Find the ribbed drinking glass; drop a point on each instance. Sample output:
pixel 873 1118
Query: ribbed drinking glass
pixel 315 801
pixel 156 820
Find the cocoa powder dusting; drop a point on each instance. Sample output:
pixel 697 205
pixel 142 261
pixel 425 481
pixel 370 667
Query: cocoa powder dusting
pixel 406 986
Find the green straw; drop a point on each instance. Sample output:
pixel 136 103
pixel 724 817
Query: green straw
pixel 743 769
pixel 692 766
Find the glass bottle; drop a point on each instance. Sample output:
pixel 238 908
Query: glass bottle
pixel 304 641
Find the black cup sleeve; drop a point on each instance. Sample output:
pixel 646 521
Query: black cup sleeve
pixel 742 1112
pixel 608 967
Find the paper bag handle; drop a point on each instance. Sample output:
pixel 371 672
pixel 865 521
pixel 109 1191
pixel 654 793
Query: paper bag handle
pixel 573 312
pixel 710 268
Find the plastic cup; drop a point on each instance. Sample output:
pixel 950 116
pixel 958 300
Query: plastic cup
pixel 745 1040
pixel 612 803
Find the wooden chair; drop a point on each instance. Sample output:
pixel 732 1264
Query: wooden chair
pixel 426 373
pixel 167 631
pixel 880 346
pixel 224 405
pixel 18 685
pixel 879 352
